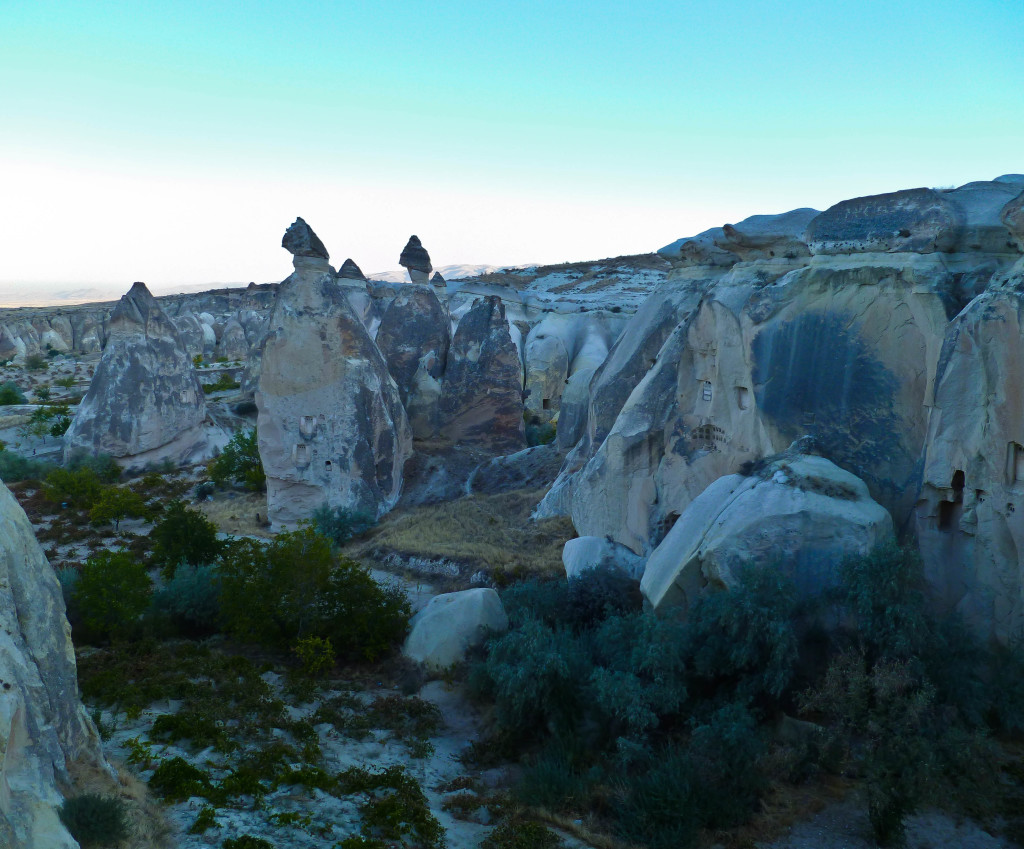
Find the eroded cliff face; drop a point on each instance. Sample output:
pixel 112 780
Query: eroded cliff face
pixel 888 331
pixel 43 726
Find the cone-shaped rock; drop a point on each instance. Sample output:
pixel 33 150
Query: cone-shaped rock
pixel 416 260
pixel 414 336
pixel 300 240
pixel 332 428
pixel 350 271
pixel 145 398
pixel 482 397
pixel 438 281
pixel 43 725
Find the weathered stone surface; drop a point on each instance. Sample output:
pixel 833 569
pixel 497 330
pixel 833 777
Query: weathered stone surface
pixel 300 240
pixel 482 395
pixel 584 553
pixel 233 343
pixel 1012 217
pixel 767 236
pixel 145 401
pixel 913 220
pixel 438 281
pixel 414 336
pixel 970 516
pixel 802 514
pixel 701 249
pixel 547 367
pixel 452 623
pixel 332 428
pixel 980 205
pixel 416 260
pixel 350 271
pixel 44 728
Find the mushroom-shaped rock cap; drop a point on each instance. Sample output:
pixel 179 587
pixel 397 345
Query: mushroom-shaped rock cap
pixel 415 256
pixel 300 240
pixel 350 271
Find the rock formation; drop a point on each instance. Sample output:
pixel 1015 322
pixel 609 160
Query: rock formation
pixel 416 261
pixel 443 631
pixel 482 396
pixel 145 402
pixel 350 271
pixel 438 281
pixel 44 729
pixel 414 336
pixel 802 514
pixel 300 241
pixel 332 429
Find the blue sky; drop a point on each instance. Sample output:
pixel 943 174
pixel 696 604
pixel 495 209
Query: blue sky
pixel 174 142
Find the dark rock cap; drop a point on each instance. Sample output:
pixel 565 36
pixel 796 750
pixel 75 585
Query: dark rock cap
pixel 438 280
pixel 415 256
pixel 350 271
pixel 300 240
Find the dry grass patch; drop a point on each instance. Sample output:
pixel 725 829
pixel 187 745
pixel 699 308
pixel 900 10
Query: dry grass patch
pixel 238 515
pixel 493 532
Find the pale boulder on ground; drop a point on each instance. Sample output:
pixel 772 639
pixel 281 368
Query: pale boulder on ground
pixel 584 553
pixel 145 402
pixel 451 624
pixel 801 514
pixel 44 729
pixel 332 428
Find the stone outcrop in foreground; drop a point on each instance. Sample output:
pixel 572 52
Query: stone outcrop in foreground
pixel 43 726
pixel 145 402
pixel 332 429
pixel 450 624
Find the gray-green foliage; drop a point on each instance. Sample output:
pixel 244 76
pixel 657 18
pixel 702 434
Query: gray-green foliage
pixel 340 525
pixel 191 600
pixel 94 820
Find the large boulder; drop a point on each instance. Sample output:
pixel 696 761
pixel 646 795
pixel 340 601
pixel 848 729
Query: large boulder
pixel 44 729
pixel 584 553
pixel 482 395
pixel 802 514
pixel 414 336
pixel 332 428
pixel 145 402
pixel 451 624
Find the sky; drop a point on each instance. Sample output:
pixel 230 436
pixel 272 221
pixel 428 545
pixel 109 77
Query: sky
pixel 174 142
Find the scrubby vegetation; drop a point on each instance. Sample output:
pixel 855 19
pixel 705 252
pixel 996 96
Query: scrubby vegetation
pixel 654 728
pixel 240 463
pixel 94 820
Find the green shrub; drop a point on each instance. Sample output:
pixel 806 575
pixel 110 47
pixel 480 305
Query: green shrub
pixel 517 833
pixel 552 780
pixel 223 382
pixel 14 467
pixel 599 592
pixel 295 587
pixel 102 465
pixel 657 808
pixel 316 655
pixel 395 807
pixel 176 780
pixel 246 841
pixel 94 820
pixel 546 600
pixel 35 362
pixel 53 420
pixel 340 525
pixel 115 503
pixel 111 593
pixel 80 487
pixel 10 393
pixel 42 392
pixel 742 642
pixel 190 600
pixel 240 463
pixel 205 820
pixel 183 536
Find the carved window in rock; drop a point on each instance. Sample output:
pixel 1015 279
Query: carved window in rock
pixel 743 397
pixel 301 454
pixel 949 509
pixel 328 466
pixel 706 393
pixel 545 404
pixel 187 396
pixel 1015 464
pixel 307 426
pixel 706 437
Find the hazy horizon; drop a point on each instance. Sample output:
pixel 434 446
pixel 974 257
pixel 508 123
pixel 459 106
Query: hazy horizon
pixel 175 145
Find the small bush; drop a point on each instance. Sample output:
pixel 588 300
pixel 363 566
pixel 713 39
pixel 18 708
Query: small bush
pixel 240 463
pixel 246 841
pixel 14 467
pixel 599 592
pixel 10 393
pixel 176 780
pixel 223 382
pixel 94 820
pixel 111 593
pixel 115 503
pixel 35 362
pixel 80 487
pixel 190 600
pixel 102 465
pixel 340 525
pixel 183 536
pixel 316 655
pixel 517 833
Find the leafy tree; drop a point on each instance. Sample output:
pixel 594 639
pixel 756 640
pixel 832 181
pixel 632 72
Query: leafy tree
pixel 42 392
pixel 340 525
pixel 112 592
pixel 80 487
pixel 295 587
pixel 115 503
pixel 240 463
pixel 183 536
